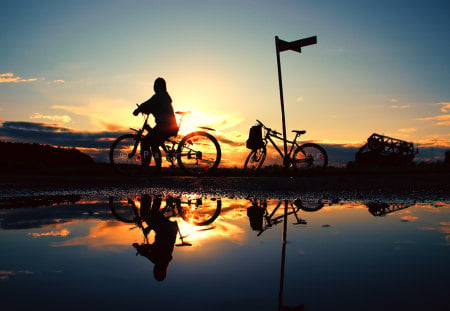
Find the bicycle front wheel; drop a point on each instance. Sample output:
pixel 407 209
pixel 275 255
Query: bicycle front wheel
pixel 255 159
pixel 198 153
pixel 123 210
pixel 125 154
pixel 199 212
pixel 309 156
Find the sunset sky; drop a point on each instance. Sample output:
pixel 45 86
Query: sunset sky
pixel 71 72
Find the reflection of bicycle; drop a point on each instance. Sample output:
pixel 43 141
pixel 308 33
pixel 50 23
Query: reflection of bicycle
pixel 301 157
pixel 198 153
pixel 197 212
pixel 269 219
pixel 191 211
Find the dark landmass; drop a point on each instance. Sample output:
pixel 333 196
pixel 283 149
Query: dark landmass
pixel 28 158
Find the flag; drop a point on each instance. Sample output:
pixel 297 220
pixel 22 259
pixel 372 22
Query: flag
pixel 294 45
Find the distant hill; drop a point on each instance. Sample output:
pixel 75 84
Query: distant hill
pixel 23 156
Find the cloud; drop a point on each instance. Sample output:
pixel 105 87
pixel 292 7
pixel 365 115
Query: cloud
pixel 401 106
pixel 407 130
pixel 58 81
pixel 443 119
pixel 394 100
pixel 42 133
pixel 54 118
pixel 10 78
pixel 445 107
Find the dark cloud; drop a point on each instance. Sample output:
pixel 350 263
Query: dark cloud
pixel 41 133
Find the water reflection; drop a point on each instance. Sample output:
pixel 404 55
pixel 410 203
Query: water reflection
pixel 383 208
pixel 252 253
pixel 148 215
pixel 261 218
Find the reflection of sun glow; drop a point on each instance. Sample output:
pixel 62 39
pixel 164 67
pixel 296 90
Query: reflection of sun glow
pixel 106 235
pixel 219 230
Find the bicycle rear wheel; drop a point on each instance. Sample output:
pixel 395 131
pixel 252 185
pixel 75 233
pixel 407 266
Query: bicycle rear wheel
pixel 309 156
pixel 255 159
pixel 198 153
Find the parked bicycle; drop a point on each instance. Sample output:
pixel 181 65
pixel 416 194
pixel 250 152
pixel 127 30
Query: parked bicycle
pixel 301 157
pixel 198 153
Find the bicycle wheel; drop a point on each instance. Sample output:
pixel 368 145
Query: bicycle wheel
pixel 199 212
pixel 198 153
pixel 123 210
pixel 255 159
pixel 125 155
pixel 309 156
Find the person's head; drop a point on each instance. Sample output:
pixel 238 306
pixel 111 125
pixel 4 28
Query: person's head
pixel 160 86
pixel 160 271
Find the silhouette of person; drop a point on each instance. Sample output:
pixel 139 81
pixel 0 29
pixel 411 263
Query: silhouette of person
pixel 160 105
pixel 160 251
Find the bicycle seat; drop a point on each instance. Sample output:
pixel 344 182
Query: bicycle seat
pixel 299 132
pixel 183 113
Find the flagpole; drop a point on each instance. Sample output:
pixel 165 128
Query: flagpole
pixel 283 119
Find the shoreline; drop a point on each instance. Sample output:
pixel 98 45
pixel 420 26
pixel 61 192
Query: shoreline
pixel 407 186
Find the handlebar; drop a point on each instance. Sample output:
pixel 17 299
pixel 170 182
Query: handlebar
pixel 271 131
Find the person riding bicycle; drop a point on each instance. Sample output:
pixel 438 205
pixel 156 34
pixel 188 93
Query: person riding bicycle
pixel 160 105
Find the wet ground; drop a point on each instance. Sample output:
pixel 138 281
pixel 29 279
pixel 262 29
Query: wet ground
pixel 344 187
pixel 195 253
pixel 371 242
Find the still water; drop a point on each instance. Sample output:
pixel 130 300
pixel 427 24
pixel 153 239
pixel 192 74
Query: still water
pixel 206 253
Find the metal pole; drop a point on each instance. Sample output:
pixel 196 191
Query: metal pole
pixel 283 119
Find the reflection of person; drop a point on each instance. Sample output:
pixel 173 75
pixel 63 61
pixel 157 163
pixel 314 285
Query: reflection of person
pixel 255 214
pixel 160 252
pixel 160 105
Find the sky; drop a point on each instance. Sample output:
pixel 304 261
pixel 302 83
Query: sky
pixel 71 72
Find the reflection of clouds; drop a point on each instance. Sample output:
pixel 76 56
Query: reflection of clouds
pixel 107 235
pixel 444 227
pixel 7 274
pixel 53 233
pixel 409 218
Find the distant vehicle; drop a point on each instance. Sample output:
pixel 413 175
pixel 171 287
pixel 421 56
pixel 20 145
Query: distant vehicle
pixel 384 150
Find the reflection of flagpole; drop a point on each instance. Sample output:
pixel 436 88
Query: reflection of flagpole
pixel 283 256
pixel 283 261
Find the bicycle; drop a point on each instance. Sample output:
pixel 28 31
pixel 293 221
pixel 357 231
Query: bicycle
pixel 302 157
pixel 197 153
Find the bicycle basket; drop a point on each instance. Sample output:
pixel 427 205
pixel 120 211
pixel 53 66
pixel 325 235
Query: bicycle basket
pixel 255 140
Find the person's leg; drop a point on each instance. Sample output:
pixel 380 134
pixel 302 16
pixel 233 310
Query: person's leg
pixel 146 154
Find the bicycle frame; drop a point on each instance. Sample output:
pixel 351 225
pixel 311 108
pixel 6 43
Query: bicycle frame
pixel 271 133
pixel 169 151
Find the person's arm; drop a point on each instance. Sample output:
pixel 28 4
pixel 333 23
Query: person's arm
pixel 145 107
